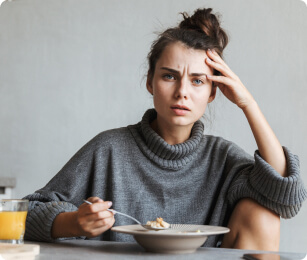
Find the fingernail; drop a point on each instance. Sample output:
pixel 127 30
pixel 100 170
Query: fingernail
pixel 209 76
pixel 110 203
pixel 209 50
pixel 209 60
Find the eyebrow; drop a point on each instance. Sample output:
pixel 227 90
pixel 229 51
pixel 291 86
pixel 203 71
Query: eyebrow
pixel 177 72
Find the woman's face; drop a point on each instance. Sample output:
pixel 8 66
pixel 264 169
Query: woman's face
pixel 179 86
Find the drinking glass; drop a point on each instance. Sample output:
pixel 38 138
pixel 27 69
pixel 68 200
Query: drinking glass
pixel 13 213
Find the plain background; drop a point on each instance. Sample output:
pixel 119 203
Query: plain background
pixel 71 69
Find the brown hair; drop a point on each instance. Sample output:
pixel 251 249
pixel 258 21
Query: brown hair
pixel 201 31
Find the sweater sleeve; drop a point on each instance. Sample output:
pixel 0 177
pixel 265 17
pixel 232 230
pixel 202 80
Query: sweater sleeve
pixel 283 195
pixel 41 215
pixel 64 193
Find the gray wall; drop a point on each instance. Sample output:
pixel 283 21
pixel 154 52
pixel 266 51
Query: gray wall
pixel 71 69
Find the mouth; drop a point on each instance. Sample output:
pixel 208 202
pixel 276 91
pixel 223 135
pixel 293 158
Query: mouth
pixel 180 107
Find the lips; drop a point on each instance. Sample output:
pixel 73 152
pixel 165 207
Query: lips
pixel 180 107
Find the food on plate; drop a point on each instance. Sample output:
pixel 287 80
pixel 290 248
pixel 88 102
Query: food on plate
pixel 158 223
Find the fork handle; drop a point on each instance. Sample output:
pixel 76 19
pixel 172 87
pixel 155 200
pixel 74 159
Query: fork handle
pixel 116 212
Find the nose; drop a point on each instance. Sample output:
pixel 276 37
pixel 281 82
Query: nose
pixel 182 89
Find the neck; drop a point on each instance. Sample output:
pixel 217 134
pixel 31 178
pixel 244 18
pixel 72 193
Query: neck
pixel 171 134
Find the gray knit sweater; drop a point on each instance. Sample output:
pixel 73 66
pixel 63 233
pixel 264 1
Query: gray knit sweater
pixel 195 182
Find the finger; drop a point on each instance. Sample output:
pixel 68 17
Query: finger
pixel 216 58
pixel 98 216
pixel 94 199
pixel 100 206
pixel 96 207
pixel 221 68
pixel 101 229
pixel 212 54
pixel 91 200
pixel 221 79
pixel 90 223
pixel 106 222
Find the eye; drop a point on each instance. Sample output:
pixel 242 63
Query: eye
pixel 198 82
pixel 169 77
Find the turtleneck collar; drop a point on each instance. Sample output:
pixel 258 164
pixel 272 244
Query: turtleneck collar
pixel 164 154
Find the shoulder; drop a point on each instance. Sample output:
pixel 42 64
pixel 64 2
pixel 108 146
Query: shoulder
pixel 220 145
pixel 112 136
pixel 217 141
pixel 107 140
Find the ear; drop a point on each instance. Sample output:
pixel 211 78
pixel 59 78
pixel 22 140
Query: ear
pixel 149 84
pixel 212 95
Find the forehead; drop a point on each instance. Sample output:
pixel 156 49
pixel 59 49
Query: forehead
pixel 179 57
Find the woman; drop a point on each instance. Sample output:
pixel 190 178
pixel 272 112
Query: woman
pixel 165 166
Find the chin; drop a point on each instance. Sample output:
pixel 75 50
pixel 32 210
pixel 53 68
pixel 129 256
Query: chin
pixel 181 121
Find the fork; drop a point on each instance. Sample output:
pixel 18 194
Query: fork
pixel 116 212
pixel 149 227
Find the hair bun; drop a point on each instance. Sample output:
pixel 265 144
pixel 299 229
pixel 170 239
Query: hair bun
pixel 204 21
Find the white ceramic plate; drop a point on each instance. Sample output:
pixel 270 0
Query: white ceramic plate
pixel 178 239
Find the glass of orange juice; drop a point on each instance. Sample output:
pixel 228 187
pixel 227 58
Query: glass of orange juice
pixel 13 215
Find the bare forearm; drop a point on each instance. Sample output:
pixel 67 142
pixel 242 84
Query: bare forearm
pixel 268 144
pixel 65 225
pixel 233 89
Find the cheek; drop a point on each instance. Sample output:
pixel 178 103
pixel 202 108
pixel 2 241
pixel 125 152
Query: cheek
pixel 201 101
pixel 160 97
pixel 202 95
pixel 162 89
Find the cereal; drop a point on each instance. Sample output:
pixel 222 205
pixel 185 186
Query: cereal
pixel 158 223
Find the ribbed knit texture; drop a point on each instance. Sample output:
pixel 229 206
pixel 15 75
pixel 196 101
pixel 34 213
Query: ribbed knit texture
pixel 167 156
pixel 284 195
pixel 195 182
pixel 39 222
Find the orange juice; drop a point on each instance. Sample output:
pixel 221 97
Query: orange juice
pixel 12 224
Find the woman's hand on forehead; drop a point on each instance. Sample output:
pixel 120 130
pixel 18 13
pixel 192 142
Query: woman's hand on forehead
pixel 229 83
